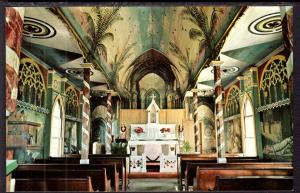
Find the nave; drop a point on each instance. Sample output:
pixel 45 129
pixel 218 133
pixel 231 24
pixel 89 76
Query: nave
pixel 149 98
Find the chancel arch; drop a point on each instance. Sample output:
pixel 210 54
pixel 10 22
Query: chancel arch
pixel 57 128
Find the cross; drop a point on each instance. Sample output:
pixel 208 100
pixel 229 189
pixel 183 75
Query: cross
pixel 153 96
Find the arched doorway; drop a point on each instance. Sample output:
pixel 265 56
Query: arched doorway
pixel 249 128
pixel 56 135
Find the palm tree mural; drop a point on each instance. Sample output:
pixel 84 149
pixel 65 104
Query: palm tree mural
pixel 98 28
pixel 184 59
pixel 118 64
pixel 205 30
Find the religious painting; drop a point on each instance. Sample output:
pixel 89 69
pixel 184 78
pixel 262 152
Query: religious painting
pixel 233 137
pixel 208 132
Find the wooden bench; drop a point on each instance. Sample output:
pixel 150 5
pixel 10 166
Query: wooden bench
pixel 119 161
pixel 254 183
pixel 206 177
pixel 183 159
pixel 191 168
pixel 32 171
pixel 54 184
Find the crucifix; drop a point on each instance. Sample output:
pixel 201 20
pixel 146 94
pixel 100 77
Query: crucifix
pixel 153 96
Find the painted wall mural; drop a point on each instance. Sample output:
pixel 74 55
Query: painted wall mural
pixel 233 134
pixel 207 120
pixel 277 136
pixel 198 29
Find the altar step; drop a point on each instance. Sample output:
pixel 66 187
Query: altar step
pixel 152 175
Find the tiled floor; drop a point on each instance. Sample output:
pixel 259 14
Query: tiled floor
pixel 153 185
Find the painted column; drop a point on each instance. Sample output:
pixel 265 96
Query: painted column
pixel 134 97
pixel 85 113
pixel 219 119
pixel 108 133
pixel 196 122
pixel 14 17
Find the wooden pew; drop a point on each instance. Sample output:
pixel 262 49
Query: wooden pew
pixel 206 177
pixel 120 160
pixel 183 159
pixel 254 183
pixel 54 184
pixel 32 171
pixel 191 168
pixel 98 160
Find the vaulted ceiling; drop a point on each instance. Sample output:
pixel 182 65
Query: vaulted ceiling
pixel 127 43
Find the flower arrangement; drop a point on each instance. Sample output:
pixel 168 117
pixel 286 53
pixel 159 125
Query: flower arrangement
pixel 139 130
pixel 162 130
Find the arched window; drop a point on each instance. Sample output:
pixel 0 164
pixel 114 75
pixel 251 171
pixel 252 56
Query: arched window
pixel 274 81
pixel 232 122
pixel 56 139
pixel 249 129
pixel 72 103
pixel 232 106
pixel 31 85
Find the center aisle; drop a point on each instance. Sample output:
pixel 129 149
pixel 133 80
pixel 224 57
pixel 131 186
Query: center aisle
pixel 153 185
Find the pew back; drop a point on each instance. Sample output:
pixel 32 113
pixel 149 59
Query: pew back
pixel 254 183
pixel 191 167
pixel 206 177
pixel 54 184
pixel 39 171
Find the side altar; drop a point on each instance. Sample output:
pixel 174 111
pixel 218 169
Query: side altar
pixel 153 142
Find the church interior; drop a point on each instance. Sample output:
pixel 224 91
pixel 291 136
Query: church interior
pixel 149 98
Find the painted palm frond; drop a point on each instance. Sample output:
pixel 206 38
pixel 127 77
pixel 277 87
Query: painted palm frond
pixel 90 25
pixel 99 25
pixel 118 64
pixel 195 33
pixel 119 59
pixel 178 53
pixel 205 28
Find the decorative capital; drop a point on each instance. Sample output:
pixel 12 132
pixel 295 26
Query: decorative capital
pixel 253 69
pixel 216 63
pixel 240 78
pixel 63 79
pixel 194 90
pixel 87 65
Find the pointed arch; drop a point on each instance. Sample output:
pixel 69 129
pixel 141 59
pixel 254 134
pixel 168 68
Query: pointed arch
pixel 232 104
pixel 72 102
pixel 248 127
pixel 57 127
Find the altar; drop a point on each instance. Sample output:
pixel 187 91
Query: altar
pixel 153 142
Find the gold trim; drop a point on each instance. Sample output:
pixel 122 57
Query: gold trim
pixel 280 57
pixel 230 89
